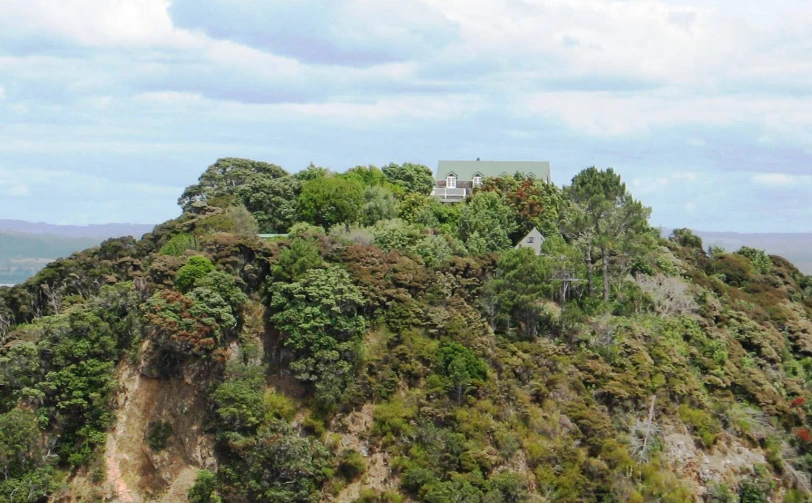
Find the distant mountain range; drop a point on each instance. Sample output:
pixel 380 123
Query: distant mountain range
pixel 26 247
pixel 795 247
pixel 103 231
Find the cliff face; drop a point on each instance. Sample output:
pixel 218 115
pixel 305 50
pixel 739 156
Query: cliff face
pixel 391 363
pixel 131 470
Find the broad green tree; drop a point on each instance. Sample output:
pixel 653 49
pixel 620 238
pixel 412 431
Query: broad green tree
pixel 605 218
pixel 511 297
pixel 416 178
pixel 486 223
pixel 327 201
pixel 294 261
pixel 225 176
pixel 379 204
pixel 461 366
pixel 195 268
pixel 319 316
pixel 272 201
pixel 535 202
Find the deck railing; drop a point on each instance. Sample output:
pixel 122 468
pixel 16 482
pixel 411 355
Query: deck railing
pixel 446 194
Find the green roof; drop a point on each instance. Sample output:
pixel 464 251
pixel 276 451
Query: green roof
pixel 466 170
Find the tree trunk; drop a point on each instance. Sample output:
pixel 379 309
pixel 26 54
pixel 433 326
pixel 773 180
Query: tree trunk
pixel 605 265
pixel 590 275
pixel 648 424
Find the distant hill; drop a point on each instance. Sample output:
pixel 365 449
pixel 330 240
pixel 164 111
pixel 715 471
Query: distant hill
pixel 103 231
pixel 26 247
pixel 795 247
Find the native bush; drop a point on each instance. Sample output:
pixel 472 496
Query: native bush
pixel 319 316
pixel 196 268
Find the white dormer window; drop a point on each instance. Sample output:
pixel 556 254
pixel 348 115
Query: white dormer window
pixel 477 181
pixel 451 182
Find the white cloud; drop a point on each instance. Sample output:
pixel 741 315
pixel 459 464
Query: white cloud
pixel 606 113
pixel 780 179
pixel 14 189
pixel 650 185
pixel 97 23
pixel 684 176
pixel 95 85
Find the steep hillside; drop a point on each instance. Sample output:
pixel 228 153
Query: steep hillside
pixel 390 348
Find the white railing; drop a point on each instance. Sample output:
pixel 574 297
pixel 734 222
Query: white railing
pixel 449 194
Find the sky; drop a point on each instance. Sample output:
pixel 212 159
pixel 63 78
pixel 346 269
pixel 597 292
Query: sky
pixel 109 108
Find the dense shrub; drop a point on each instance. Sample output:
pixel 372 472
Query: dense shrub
pixel 196 268
pixel 158 433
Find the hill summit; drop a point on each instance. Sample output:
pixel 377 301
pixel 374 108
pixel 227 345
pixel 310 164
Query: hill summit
pixel 386 347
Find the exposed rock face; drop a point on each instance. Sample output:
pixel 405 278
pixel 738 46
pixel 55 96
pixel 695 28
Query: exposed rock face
pixel 134 473
pixel 725 463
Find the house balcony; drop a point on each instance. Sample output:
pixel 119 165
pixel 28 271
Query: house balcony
pixel 447 195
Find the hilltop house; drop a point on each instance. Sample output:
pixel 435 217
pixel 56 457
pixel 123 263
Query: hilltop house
pixel 456 179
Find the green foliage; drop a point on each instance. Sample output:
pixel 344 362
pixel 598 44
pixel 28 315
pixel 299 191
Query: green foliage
pixel 686 238
pixel 294 261
pixel 276 466
pixel 413 178
pixel 23 462
pixel 379 204
pixel 720 493
pixel 203 489
pixel 179 244
pixel 760 260
pixel 351 465
pixel 756 488
pixel 472 358
pixel 158 433
pixel 272 201
pixel 71 380
pixel 228 287
pixel 328 201
pixel 486 223
pixel 461 366
pixel 224 177
pixel 239 400
pixel 395 235
pixel 511 298
pixel 393 418
pixel 371 496
pixel 183 326
pixel 319 316
pixel 234 220
pixel 733 269
pixel 278 406
pixel 369 176
pixel 702 423
pixel 535 203
pixel 433 249
pixel 196 268
pixel 312 172
pixel 427 211
pixel 605 220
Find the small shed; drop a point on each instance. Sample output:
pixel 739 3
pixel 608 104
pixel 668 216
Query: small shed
pixel 533 239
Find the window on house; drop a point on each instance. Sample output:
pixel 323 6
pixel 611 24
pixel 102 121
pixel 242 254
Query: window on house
pixel 529 240
pixel 451 182
pixel 477 181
